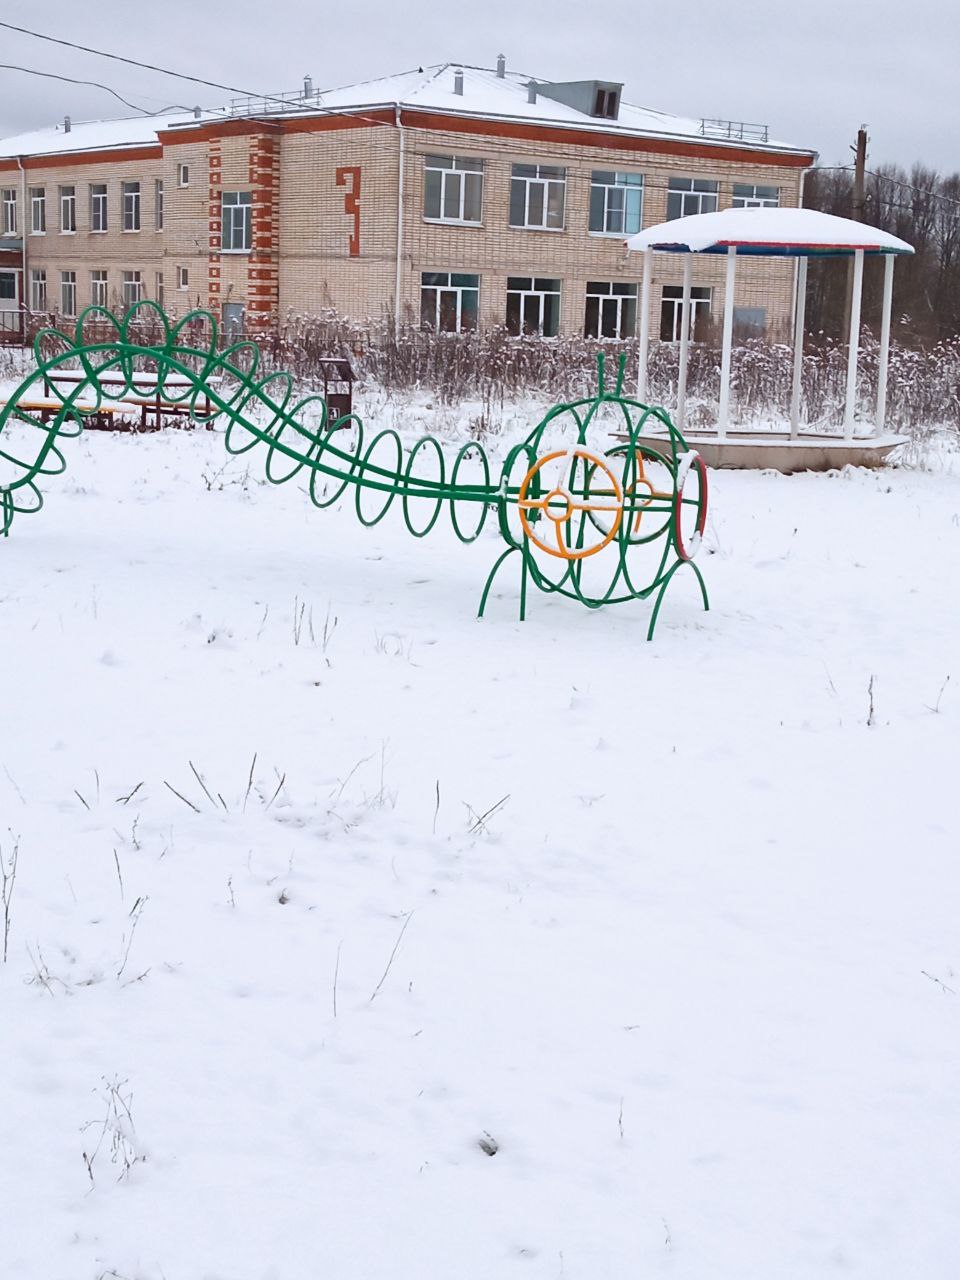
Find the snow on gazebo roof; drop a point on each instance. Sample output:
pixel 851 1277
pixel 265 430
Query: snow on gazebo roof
pixel 774 233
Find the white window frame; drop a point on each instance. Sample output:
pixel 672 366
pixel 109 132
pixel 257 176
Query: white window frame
pixel 132 291
pixel 159 290
pixel 130 203
pixel 232 204
pixel 611 296
pixel 544 181
pixel 455 172
pixel 38 289
pixel 627 183
pixel 695 195
pixel 38 211
pixel 747 198
pixel 700 296
pixel 68 210
pixel 183 278
pixel 99 208
pixel 183 175
pixel 99 291
pixel 9 211
pixel 534 292
pixel 158 204
pixel 436 286
pixel 68 294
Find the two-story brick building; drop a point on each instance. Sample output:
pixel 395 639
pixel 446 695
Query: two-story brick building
pixel 453 195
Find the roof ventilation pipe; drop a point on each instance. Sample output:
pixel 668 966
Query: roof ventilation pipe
pixel 67 124
pixel 531 92
pixel 308 86
pixel 458 83
pixel 197 113
pixel 501 67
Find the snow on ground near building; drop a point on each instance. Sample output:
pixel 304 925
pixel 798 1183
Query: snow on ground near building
pixel 694 977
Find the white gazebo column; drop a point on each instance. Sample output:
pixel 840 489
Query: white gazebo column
pixel 684 341
pixel 888 261
pixel 727 345
pixel 854 350
pixel 798 326
pixel 644 324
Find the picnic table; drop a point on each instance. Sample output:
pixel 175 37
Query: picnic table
pixel 140 393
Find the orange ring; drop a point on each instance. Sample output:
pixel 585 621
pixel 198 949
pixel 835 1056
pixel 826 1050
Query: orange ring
pixel 549 502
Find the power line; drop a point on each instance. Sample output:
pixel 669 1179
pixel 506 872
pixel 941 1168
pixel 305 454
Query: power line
pixel 93 84
pixel 883 177
pixel 132 62
pixel 164 71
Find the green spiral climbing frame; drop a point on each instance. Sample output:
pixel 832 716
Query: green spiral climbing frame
pixel 598 523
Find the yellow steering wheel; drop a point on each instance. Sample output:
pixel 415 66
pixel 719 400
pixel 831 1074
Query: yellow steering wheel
pixel 559 504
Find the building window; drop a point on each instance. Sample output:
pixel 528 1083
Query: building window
pixel 611 310
pixel 160 292
pixel 68 211
pixel 183 175
pixel 158 204
pixel 9 211
pixel 747 196
pixel 449 302
pixel 616 203
pixel 749 322
pixel 132 289
pixel 131 206
pixel 672 306
pixel 691 195
pixel 68 293
pixel 98 288
pixel 8 286
pixel 38 289
pixel 533 305
pixel 98 206
pixel 38 213
pixel 453 188
pixel 237 221
pixel 183 278
pixel 537 194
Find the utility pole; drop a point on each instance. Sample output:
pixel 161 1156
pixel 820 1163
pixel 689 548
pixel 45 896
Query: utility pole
pixel 859 199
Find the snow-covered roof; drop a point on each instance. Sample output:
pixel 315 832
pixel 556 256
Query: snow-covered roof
pixel 488 95
pixel 485 95
pixel 99 135
pixel 789 233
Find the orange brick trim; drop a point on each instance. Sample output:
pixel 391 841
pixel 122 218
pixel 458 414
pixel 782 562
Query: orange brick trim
pixel 214 216
pixel 603 141
pixel 122 155
pixel 263 273
pixel 221 129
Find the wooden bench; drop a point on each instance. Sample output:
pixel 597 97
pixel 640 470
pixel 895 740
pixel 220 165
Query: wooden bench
pixel 90 412
pixel 141 393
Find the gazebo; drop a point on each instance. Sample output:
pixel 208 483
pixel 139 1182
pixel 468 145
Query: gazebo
pixel 775 233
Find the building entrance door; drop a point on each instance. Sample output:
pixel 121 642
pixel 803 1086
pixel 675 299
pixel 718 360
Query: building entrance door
pixel 9 302
pixel 233 313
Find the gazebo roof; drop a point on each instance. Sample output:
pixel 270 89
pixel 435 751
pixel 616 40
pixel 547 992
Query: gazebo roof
pixel 772 233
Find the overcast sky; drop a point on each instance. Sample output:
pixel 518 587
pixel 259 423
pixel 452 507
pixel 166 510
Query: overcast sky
pixel 814 70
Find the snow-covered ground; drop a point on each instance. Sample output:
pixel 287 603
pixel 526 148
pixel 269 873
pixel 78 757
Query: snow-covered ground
pixel 670 928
